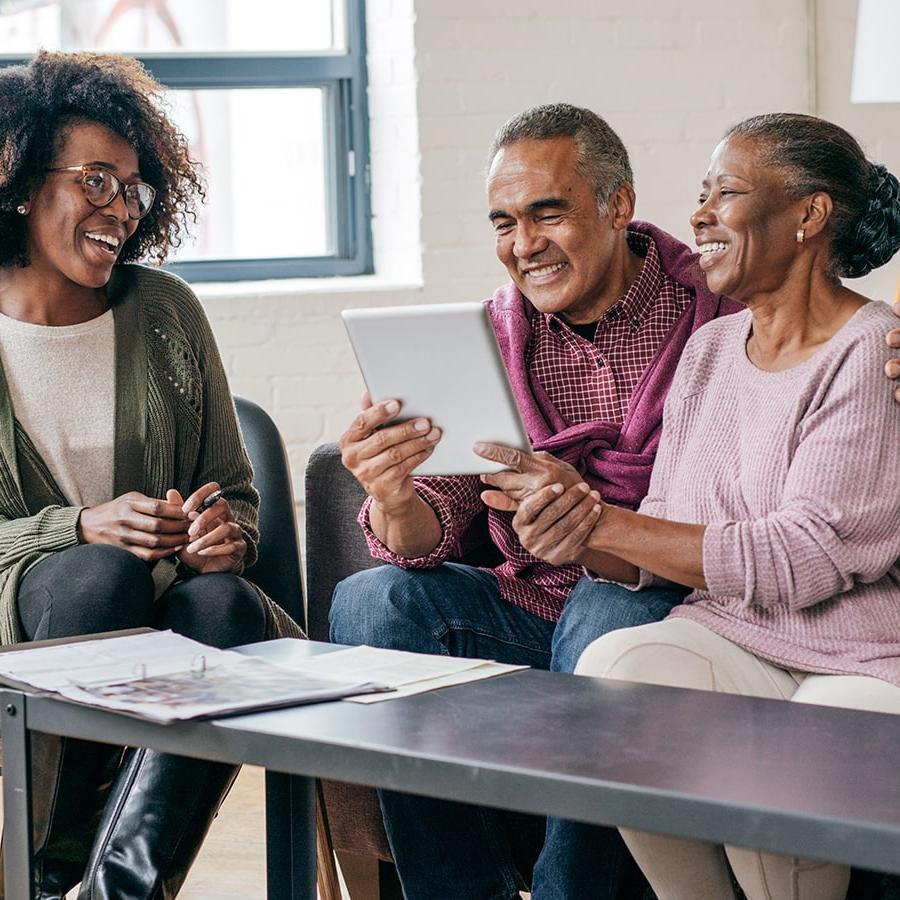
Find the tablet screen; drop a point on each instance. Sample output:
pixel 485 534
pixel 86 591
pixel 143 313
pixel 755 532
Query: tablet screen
pixel 442 362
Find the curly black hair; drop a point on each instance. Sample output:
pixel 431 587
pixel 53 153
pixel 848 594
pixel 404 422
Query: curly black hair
pixel 817 155
pixel 38 101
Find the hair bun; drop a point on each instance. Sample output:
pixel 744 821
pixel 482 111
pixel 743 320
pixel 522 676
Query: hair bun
pixel 877 236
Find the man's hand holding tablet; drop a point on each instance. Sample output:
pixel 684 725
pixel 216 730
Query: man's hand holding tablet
pixel 439 385
pixel 381 457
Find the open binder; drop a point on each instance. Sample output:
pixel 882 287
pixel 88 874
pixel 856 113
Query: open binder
pixel 164 677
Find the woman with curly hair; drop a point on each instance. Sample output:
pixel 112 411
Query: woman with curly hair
pixel 116 423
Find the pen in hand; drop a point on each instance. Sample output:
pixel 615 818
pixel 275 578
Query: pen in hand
pixel 210 500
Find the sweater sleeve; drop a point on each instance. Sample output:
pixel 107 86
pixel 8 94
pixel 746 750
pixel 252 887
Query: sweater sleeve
pixel 53 528
pixel 838 522
pixel 222 456
pixel 456 500
pixel 23 542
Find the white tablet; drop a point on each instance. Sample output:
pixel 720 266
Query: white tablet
pixel 442 362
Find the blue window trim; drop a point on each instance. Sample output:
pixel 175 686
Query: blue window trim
pixel 343 78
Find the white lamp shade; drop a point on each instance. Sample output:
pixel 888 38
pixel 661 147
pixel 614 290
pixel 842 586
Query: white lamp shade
pixel 876 59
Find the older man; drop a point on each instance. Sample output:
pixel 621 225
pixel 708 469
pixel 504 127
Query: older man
pixel 591 328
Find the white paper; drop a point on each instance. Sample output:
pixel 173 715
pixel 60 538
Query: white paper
pixel 485 670
pixel 408 673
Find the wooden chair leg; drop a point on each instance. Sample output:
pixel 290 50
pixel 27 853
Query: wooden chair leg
pixel 360 875
pixel 326 871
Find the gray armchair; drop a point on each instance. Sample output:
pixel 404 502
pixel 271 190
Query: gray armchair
pixel 277 572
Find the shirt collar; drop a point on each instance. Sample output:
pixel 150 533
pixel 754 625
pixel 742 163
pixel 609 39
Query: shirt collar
pixel 644 290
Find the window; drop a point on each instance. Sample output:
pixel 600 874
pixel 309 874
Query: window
pixel 272 97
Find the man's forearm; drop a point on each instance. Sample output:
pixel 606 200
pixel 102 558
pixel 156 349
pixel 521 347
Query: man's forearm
pixel 625 541
pixel 411 530
pixel 608 566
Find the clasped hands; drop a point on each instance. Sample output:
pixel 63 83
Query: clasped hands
pixel 152 529
pixel 555 510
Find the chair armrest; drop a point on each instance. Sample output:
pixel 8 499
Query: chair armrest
pixel 335 545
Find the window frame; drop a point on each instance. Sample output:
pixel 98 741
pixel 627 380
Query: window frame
pixel 343 78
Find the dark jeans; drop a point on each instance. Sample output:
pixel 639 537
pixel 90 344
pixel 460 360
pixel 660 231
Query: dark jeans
pixel 453 851
pixel 96 587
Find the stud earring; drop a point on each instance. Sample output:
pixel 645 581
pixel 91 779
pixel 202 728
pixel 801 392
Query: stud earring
pixel 21 209
pixel 801 235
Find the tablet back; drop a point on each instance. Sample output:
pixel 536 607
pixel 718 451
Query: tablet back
pixel 442 362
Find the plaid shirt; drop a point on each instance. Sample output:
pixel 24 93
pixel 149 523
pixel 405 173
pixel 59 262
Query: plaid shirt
pixel 586 382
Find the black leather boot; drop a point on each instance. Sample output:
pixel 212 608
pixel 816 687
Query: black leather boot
pixel 155 820
pixel 70 781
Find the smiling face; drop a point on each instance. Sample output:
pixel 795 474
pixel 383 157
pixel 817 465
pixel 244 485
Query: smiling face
pixel 70 241
pixel 746 223
pixel 557 247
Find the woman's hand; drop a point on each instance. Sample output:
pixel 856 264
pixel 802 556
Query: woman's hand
pixel 892 369
pixel 554 524
pixel 216 541
pixel 151 529
pixel 524 474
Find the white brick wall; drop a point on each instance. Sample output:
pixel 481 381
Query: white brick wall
pixel 875 125
pixel 668 77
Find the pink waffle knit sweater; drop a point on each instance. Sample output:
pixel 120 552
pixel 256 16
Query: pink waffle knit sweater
pixel 797 476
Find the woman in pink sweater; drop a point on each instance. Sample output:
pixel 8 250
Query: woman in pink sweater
pixel 776 490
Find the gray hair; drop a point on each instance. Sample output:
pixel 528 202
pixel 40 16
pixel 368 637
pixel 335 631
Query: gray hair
pixel 602 157
pixel 815 155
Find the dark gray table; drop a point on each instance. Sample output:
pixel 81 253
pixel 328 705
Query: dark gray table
pixel 792 778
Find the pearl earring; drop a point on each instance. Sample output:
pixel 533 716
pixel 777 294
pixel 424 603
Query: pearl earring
pixel 21 209
pixel 801 235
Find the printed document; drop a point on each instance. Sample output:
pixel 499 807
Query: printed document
pixel 166 677
pixel 407 673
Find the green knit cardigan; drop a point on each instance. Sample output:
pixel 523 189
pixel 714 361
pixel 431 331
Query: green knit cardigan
pixel 175 427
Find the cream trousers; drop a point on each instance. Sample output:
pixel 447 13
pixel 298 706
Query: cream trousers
pixel 680 653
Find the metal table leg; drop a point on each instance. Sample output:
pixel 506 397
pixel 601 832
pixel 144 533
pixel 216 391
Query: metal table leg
pixel 17 848
pixel 290 837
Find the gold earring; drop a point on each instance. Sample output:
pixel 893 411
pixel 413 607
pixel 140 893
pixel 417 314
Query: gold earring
pixel 801 235
pixel 21 209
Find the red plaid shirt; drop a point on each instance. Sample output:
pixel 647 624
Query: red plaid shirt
pixel 585 381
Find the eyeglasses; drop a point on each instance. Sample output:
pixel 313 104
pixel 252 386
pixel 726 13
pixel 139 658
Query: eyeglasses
pixel 101 187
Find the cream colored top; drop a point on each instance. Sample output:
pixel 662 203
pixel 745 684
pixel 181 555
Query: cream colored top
pixel 62 385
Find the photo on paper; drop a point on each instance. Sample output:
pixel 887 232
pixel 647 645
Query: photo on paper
pixel 218 690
